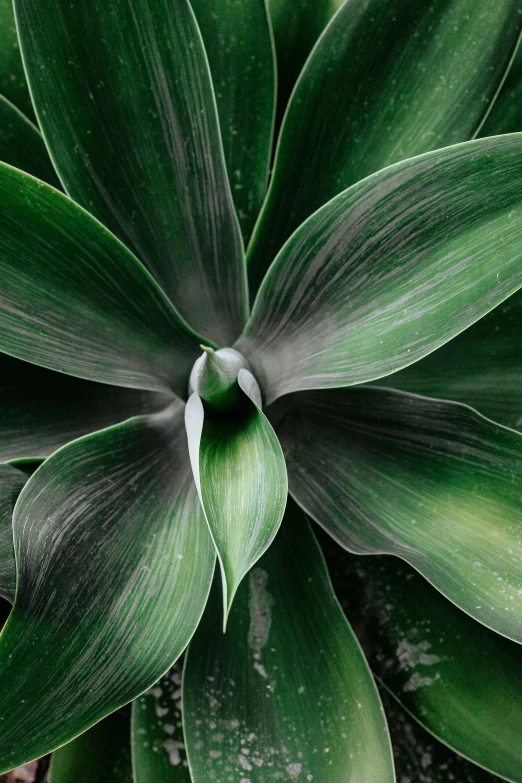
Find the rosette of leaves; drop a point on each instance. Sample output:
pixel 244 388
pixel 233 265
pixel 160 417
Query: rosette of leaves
pixel 186 340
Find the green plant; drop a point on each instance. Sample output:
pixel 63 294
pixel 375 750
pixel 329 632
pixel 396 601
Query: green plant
pixel 378 264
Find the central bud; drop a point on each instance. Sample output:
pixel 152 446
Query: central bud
pixel 214 378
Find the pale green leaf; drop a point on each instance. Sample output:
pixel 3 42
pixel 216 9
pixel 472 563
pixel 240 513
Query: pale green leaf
pixel 390 269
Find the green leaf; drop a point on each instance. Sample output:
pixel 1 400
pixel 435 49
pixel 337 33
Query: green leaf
pixel 93 630
pixel 21 144
pixel 12 481
pixel 240 473
pixel 125 101
pixel 158 744
pixel 391 269
pixel 420 757
pixel 430 481
pixel 461 681
pixel 286 693
pixel 506 113
pixel 41 410
pixel 13 85
pixel 100 755
pixel 481 367
pixel 238 41
pixel 386 81
pixel 297 25
pixel 75 299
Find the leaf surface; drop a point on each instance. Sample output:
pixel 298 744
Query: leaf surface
pixel 481 367
pixel 92 630
pixel 241 55
pixel 286 693
pixel 390 269
pixel 428 480
pixel 13 84
pixel 41 410
pixel 75 299
pixel 461 681
pixel 240 473
pixel 21 144
pixel 158 743
pixel 386 81
pixel 12 481
pixel 124 98
pixel 100 755
pixel 506 114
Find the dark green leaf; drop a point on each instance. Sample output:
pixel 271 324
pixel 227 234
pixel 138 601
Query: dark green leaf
pixel 428 480
pixel 100 755
pixel 12 77
pixel 286 692
pixel 297 25
pixel 41 410
pixel 239 46
pixel 21 144
pixel 387 81
pixel 12 481
pixel 124 98
pixel 158 744
pixel 114 566
pixel 240 473
pixel 74 299
pixel 481 367
pixel 391 269
pixel 460 680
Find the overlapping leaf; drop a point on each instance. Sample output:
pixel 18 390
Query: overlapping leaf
pixel 13 85
pixel 428 480
pixel 506 114
pixel 100 755
pixel 390 269
pixel 387 81
pixel 241 55
pixel 460 680
pixel 139 562
pixel 286 692
pixel 240 473
pixel 75 299
pixel 124 98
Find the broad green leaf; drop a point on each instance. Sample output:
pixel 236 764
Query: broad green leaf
pixel 457 678
pixel 21 144
pixel 506 113
pixel 92 630
pixel 481 367
pixel 158 744
pixel 41 410
pixel 12 481
pixel 286 693
pixel 74 299
pixel 297 25
pixel 430 481
pixel 100 755
pixel 125 101
pixel 390 269
pixel 387 81
pixel 238 41
pixel 12 77
pixel 240 473
pixel 420 758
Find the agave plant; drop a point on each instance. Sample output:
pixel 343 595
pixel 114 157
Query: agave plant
pixel 174 386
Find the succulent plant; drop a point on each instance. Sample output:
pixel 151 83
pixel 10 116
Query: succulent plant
pixel 210 341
